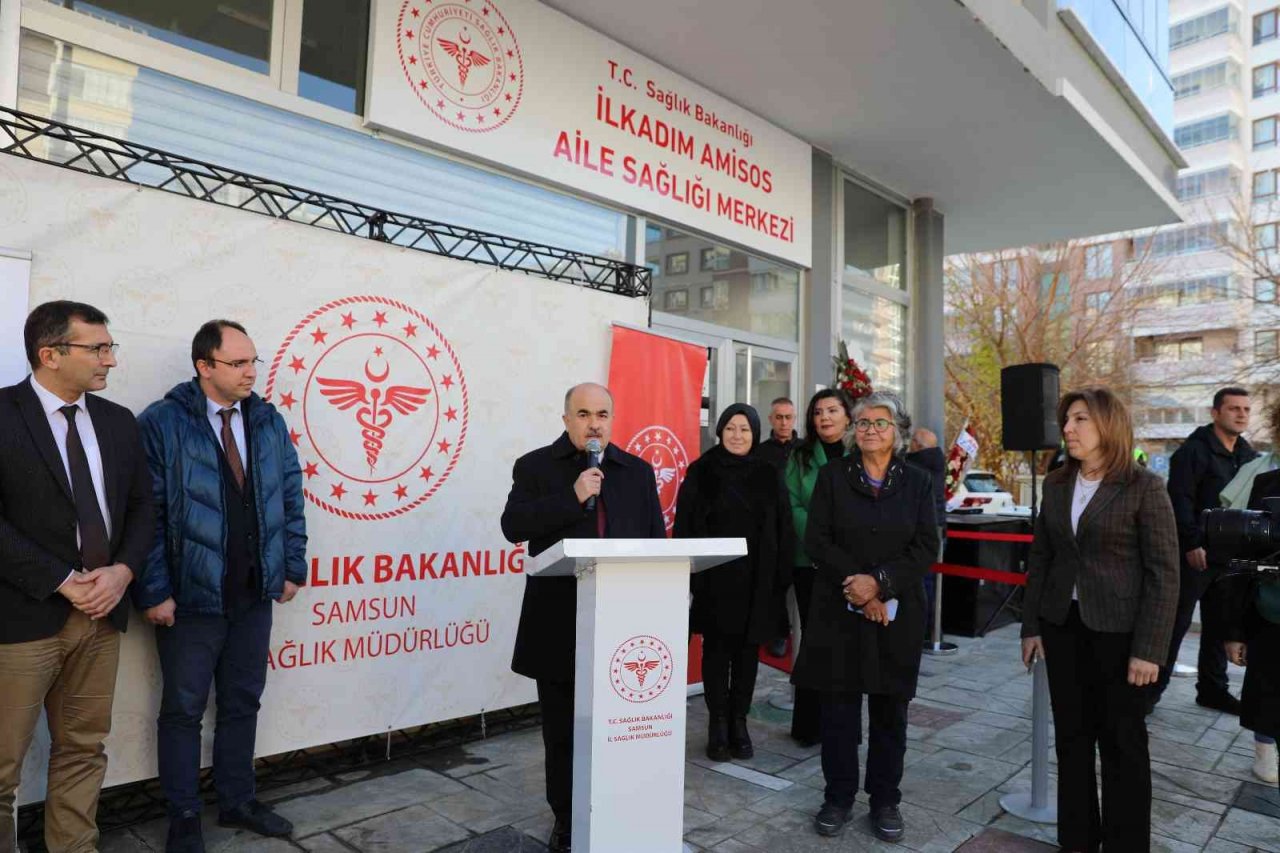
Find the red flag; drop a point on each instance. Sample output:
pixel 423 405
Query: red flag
pixel 657 395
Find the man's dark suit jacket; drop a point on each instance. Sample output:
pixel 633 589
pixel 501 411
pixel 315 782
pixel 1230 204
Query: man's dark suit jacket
pixel 1123 559
pixel 542 509
pixel 38 516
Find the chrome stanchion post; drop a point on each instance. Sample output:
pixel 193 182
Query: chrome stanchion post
pixel 936 645
pixel 1036 805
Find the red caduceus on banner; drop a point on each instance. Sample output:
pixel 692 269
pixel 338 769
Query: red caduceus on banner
pixel 657 395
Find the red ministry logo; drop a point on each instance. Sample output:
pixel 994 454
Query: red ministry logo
pixel 659 446
pixel 641 668
pixel 462 60
pixel 376 404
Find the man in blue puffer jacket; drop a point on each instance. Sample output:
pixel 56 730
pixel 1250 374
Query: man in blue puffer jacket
pixel 230 539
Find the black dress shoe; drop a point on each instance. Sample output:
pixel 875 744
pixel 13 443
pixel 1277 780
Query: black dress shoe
pixel 1224 702
pixel 561 839
pixel 887 824
pixel 740 740
pixel 185 835
pixel 718 739
pixel 831 819
pixel 256 817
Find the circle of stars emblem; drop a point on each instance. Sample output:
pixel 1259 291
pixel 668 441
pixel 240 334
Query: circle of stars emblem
pixel 462 60
pixel 659 446
pixel 641 669
pixel 376 405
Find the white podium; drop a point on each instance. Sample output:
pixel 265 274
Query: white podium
pixel 630 685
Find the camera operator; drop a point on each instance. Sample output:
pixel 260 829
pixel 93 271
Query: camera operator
pixel 1251 601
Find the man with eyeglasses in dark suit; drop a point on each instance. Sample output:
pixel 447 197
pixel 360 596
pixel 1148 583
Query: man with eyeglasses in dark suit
pixel 231 539
pixel 75 526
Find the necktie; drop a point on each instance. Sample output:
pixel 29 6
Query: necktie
pixel 95 547
pixel 601 517
pixel 229 447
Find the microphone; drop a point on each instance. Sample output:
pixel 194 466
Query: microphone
pixel 594 453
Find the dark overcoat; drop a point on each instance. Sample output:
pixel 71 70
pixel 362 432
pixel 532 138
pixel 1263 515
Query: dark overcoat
pixel 853 530
pixel 542 509
pixel 737 598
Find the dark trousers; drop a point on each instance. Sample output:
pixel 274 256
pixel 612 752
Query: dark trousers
pixel 230 653
pixel 1199 587
pixel 806 716
pixel 729 667
pixel 1096 710
pixel 556 699
pixel 886 747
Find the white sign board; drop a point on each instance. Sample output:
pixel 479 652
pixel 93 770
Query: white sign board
pixel 15 272
pixel 410 613
pixel 521 85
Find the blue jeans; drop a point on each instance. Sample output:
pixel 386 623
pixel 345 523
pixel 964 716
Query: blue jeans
pixel 199 651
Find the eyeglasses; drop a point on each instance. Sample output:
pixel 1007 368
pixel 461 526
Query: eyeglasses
pixel 880 424
pixel 238 364
pixel 100 350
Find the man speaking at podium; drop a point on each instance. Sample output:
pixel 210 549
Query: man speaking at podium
pixel 578 487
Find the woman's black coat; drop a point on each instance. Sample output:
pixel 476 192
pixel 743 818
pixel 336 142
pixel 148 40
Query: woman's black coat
pixel 724 495
pixel 852 530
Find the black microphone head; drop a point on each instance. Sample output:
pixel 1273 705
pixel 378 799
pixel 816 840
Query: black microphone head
pixel 593 447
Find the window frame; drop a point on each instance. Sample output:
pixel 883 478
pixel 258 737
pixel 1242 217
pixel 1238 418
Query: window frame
pixel 1275 20
pixel 1271 143
pixel 1268 174
pixel 1274 68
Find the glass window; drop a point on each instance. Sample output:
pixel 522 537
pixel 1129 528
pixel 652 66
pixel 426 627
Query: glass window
pixel 1206 79
pixel 875 236
pixel 235 31
pixel 1264 184
pixel 1224 179
pixel 1206 131
pixel 1264 236
pixel 1264 133
pixel 1006 273
pixel 1264 290
pixel 1264 26
pixel 1099 261
pixel 1264 344
pixel 1183 241
pixel 1096 303
pixel 732 288
pixel 1202 27
pixel 875 329
pixel 335 41
pixel 1264 79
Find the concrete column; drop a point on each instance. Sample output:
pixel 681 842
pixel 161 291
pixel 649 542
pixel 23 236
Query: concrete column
pixel 926 321
pixel 821 324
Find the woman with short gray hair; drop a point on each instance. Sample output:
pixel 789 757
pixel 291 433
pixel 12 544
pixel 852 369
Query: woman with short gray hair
pixel 872 535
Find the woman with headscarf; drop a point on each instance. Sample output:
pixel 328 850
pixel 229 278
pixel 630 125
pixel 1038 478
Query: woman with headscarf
pixel 827 420
pixel 730 492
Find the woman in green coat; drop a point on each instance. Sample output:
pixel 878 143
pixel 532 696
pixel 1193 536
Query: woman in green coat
pixel 827 420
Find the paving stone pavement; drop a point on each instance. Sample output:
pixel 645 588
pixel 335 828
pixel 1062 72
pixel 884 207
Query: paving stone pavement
pixel 969 744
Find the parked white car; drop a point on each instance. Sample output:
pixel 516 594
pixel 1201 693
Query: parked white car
pixel 981 490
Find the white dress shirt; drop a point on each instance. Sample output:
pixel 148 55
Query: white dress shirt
pixel 1080 498
pixel 237 426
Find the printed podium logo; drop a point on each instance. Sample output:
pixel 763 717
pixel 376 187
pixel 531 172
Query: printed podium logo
pixel 659 446
pixel 641 669
pixel 462 60
pixel 376 405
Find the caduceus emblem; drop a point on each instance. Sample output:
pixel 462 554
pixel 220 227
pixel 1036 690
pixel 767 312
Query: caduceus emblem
pixel 463 55
pixel 661 475
pixel 380 405
pixel 641 667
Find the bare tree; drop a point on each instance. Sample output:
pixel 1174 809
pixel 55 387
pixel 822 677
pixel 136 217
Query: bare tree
pixel 1070 303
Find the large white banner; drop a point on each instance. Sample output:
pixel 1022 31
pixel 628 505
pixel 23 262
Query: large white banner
pixel 522 85
pixel 410 384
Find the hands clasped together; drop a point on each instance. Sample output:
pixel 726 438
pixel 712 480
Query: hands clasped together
pixel 96 593
pixel 864 591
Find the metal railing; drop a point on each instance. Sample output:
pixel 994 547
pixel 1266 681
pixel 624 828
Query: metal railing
pixel 35 138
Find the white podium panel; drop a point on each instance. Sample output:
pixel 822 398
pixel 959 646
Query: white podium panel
pixel 629 695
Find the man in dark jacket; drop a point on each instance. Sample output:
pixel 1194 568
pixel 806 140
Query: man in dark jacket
pixel 782 433
pixel 75 526
pixel 231 538
pixel 550 491
pixel 1198 471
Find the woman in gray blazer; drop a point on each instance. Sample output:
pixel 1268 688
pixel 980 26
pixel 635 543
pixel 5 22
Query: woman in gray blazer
pixel 1102 591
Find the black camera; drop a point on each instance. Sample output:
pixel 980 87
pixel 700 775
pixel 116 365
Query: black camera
pixel 1241 534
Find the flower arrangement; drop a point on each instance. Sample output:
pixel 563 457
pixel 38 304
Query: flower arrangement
pixel 850 378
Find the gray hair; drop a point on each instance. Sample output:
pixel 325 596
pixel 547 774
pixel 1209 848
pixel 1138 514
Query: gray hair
pixel 897 414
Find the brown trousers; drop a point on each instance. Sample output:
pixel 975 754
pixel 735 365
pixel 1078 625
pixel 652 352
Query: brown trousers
pixel 72 675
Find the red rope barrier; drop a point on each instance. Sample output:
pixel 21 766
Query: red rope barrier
pixel 1014 578
pixel 989 537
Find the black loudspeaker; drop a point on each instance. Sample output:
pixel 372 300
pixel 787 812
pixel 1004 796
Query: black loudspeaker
pixel 1029 407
